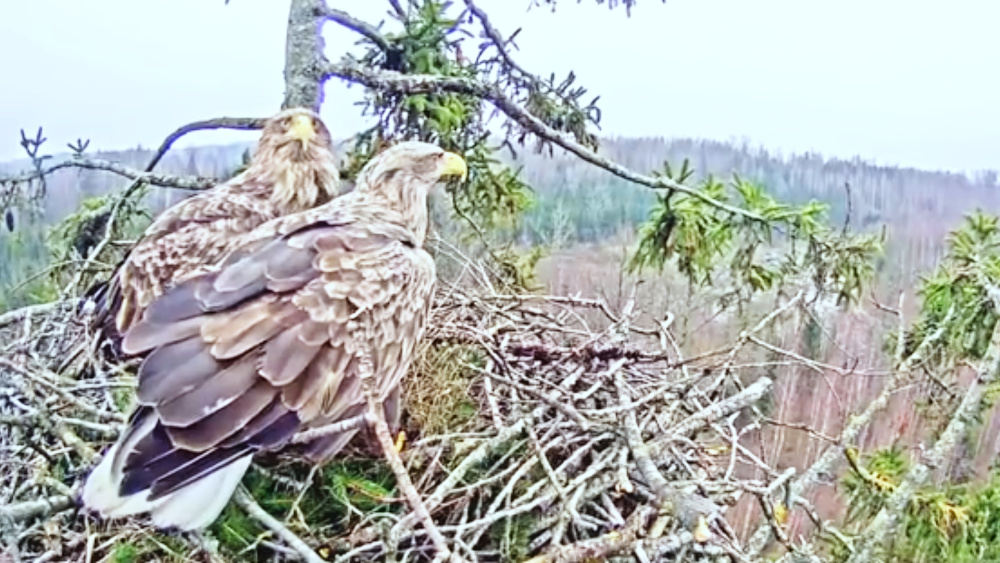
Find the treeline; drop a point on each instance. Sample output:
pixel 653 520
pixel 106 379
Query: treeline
pixel 598 204
pixel 576 202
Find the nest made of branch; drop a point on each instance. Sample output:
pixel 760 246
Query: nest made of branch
pixel 531 435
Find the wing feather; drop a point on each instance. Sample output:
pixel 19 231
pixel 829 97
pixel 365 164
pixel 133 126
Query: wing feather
pixel 175 369
pixel 242 357
pixel 208 431
pixel 216 392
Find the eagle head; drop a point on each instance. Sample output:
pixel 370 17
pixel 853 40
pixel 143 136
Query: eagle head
pixel 296 151
pixel 402 176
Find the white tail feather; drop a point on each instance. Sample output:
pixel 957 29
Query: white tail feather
pixel 193 506
pixel 100 491
pixel 197 505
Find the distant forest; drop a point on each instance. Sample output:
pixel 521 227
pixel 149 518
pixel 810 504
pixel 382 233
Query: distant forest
pixel 578 203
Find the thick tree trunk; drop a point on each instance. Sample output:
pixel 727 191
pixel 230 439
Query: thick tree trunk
pixel 304 60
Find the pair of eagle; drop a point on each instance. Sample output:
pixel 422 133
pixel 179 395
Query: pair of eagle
pixel 251 305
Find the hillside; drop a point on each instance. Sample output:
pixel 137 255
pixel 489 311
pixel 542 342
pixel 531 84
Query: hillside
pixel 576 202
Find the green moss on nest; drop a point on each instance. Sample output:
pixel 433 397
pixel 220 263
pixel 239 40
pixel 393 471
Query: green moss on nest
pixel 126 553
pixel 343 492
pixel 148 548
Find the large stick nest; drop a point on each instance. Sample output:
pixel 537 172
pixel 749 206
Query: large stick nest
pixel 532 435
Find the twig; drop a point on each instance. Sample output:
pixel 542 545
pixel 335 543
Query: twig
pixel 237 123
pixel 156 179
pixel 350 22
pixel 724 408
pixel 425 83
pixel 335 428
pixel 887 520
pixel 832 455
pixel 254 510
pixel 600 548
pixel 17 513
pixel 381 428
pixel 640 452
pixel 18 315
pixel 475 458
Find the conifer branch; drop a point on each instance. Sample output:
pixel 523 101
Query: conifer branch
pixel 392 81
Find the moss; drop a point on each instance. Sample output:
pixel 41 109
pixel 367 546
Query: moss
pixel 343 491
pixel 235 530
pixel 122 398
pixel 126 553
pixel 514 536
pixel 147 548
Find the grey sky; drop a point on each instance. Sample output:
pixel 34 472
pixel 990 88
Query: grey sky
pixel 909 82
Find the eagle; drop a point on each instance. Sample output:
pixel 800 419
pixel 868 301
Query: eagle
pixel 243 355
pixel 293 168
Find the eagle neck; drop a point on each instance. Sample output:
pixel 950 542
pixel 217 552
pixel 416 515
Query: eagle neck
pixel 413 211
pixel 296 186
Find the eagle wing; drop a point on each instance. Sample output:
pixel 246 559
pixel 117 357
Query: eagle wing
pixel 241 358
pixel 194 232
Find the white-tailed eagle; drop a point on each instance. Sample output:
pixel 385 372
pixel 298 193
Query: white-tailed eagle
pixel 293 168
pixel 267 343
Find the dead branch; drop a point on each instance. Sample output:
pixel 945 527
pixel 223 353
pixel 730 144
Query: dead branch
pixel 600 548
pixel 364 29
pixel 307 436
pixel 376 419
pixel 18 513
pixel 827 462
pixel 162 180
pixel 887 520
pixel 247 503
pixel 237 123
pixel 19 315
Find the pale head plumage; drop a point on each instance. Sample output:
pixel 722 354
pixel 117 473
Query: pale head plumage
pixel 401 176
pixel 295 152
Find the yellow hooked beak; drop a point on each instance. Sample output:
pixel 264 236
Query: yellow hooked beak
pixel 454 165
pixel 302 129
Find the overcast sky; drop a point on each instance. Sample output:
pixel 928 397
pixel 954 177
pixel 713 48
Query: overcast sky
pixel 910 82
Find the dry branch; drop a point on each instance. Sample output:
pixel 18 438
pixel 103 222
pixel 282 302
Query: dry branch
pixel 827 462
pixel 885 523
pixel 162 180
pixel 13 514
pixel 19 315
pixel 254 510
pixel 237 123
pixel 350 22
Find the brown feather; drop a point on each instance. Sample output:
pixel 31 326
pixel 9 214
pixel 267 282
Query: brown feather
pixel 259 334
pixel 273 425
pixel 212 429
pixel 213 394
pixel 287 355
pixel 174 369
pixel 298 392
